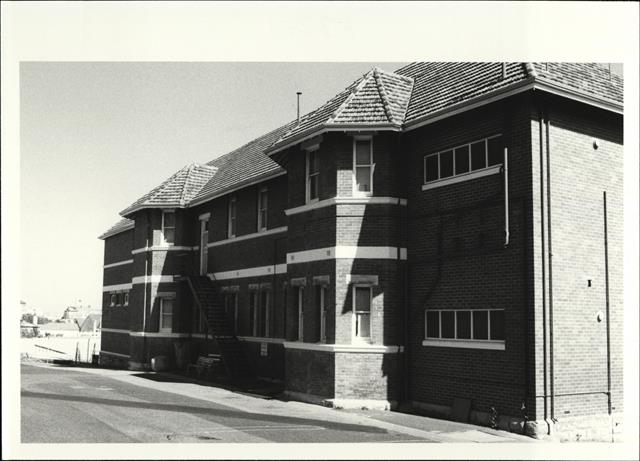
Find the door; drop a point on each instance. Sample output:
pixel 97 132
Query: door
pixel 204 240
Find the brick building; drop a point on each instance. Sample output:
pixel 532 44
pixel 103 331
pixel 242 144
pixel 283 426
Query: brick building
pixel 445 233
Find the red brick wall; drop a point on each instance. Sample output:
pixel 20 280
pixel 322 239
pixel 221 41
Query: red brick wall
pixel 118 247
pixel 367 376
pixel 457 260
pixel 579 175
pixel 310 372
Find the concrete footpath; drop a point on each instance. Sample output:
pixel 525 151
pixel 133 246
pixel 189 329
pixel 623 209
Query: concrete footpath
pixel 416 428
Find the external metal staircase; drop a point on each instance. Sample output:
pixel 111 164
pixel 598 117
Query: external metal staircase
pixel 211 308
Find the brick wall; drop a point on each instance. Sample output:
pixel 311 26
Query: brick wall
pixel 310 372
pixel 367 376
pixel 579 175
pixel 457 260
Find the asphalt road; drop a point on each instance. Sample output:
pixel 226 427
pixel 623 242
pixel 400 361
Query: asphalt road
pixel 70 405
pixel 62 405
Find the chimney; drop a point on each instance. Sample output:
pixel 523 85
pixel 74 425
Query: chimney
pixel 504 70
pixel 298 93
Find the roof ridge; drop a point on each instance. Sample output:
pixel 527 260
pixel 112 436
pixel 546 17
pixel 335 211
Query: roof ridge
pixel 530 69
pixel 383 94
pixel 189 169
pixel 352 95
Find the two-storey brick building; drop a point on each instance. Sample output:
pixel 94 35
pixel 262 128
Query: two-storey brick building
pixel 443 235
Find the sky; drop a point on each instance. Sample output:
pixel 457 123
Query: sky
pixel 96 136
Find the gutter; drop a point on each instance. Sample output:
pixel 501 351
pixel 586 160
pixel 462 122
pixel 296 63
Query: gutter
pixel 531 83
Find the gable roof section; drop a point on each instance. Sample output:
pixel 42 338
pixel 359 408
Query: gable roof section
pixel 378 99
pixel 123 225
pixel 177 191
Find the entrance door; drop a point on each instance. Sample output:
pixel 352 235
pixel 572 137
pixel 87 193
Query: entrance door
pixel 204 240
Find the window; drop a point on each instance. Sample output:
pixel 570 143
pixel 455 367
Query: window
pixel 363 166
pixel 362 311
pixel 232 217
pixel 262 209
pixel 168 227
pixel 264 314
pixel 322 314
pixel 231 308
pixel 299 300
pixel 166 314
pixel 470 325
pixel 313 175
pixel 112 299
pixel 125 295
pixel 253 312
pixel 475 156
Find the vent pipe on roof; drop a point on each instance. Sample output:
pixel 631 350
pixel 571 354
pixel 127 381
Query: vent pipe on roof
pixel 298 93
pixel 504 70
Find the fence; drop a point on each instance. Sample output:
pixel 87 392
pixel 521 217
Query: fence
pixel 79 348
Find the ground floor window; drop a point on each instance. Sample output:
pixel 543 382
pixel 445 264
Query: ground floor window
pixel 231 308
pixel 253 312
pixel 264 314
pixel 166 314
pixel 299 303
pixel 465 324
pixel 362 312
pixel 320 295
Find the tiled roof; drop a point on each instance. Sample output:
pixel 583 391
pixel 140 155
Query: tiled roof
pixel 442 84
pixel 592 78
pixel 378 99
pixel 121 226
pixel 177 191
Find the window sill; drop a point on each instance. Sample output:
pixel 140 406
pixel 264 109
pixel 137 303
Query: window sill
pixel 363 347
pixel 465 343
pixel 463 177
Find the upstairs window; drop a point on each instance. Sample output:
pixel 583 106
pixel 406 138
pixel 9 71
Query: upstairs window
pixel 363 166
pixel 232 217
pixel 125 301
pixel 262 209
pixel 168 227
pixel 313 175
pixel 476 156
pixel 113 299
